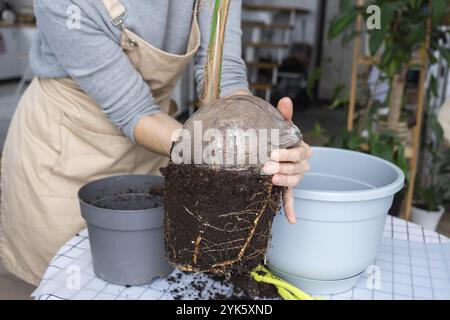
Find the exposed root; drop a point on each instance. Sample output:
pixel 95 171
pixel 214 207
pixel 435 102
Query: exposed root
pixel 252 232
pixel 201 236
pixel 197 247
pixel 200 219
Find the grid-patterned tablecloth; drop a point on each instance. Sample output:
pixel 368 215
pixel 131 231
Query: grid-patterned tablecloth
pixel 412 263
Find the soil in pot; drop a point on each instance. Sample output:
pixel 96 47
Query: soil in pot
pixel 130 199
pixel 217 221
pixel 129 202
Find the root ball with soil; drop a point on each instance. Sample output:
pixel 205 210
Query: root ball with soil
pixel 219 211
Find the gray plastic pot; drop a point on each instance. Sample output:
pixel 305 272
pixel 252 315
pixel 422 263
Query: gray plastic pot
pixel 341 207
pixel 127 242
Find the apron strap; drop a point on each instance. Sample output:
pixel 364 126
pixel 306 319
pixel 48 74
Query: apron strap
pixel 116 11
pixel 197 5
pixel 118 14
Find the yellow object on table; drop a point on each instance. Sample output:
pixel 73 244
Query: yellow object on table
pixel 286 290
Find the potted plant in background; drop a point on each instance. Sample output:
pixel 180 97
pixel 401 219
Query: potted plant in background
pixel 433 185
pixel 393 49
pixel 394 46
pixel 427 211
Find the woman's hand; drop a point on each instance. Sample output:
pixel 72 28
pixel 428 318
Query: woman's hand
pixel 288 165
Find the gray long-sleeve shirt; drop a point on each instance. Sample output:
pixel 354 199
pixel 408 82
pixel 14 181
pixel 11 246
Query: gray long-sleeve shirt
pixel 92 56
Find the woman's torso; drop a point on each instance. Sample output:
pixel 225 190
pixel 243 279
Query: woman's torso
pixel 150 19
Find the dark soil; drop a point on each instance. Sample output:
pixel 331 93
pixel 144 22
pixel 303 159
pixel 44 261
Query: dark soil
pixel 252 289
pixel 131 201
pixel 217 221
pixel 244 288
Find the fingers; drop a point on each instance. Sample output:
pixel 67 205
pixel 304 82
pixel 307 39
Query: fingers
pixel 292 155
pixel 287 168
pixel 288 200
pixel 286 108
pixel 288 165
pixel 286 180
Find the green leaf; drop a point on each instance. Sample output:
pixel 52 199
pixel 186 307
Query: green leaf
pixel 439 9
pixel 337 91
pixel 432 57
pixel 336 99
pixel 315 75
pixel 403 164
pixel 433 86
pixel 382 150
pixel 437 129
pixel 376 38
pixel 355 142
pixel 338 140
pixel 387 14
pixel 337 103
pixel 416 33
pixel 341 23
pixel 429 196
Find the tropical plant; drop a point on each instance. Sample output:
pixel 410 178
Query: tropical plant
pixel 403 31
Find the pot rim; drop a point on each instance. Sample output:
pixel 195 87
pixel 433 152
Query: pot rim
pixel 420 210
pixel 113 211
pixel 357 195
pixel 119 220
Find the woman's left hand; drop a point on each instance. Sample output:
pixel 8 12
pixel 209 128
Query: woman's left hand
pixel 288 165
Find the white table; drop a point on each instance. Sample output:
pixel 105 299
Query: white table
pixel 414 264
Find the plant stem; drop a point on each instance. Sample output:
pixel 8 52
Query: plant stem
pixel 396 98
pixel 213 66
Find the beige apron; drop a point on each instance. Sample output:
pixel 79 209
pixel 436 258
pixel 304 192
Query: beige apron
pixel 59 139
